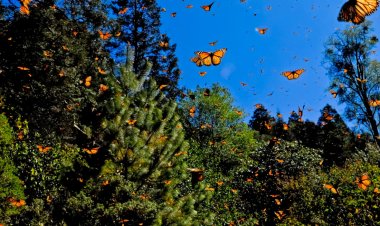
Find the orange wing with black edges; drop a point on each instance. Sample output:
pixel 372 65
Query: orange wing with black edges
pixel 204 57
pixel 355 11
pixel 197 60
pixel 363 182
pixel 261 30
pixel 331 188
pixel 207 7
pixel 293 74
pixel 104 36
pixel 216 56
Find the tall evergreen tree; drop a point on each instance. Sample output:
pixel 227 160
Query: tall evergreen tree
pixel 336 139
pixel 141 176
pixel 138 22
pixel 261 120
pixel 354 76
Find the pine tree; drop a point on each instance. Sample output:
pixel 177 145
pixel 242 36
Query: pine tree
pixel 141 176
pixel 261 120
pixel 336 139
pixel 138 22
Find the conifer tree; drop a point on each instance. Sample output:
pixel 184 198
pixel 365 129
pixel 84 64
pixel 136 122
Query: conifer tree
pixel 138 22
pixel 141 176
pixel 336 139
pixel 261 120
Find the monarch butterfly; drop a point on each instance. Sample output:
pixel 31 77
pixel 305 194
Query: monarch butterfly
pixel 117 34
pixel 23 68
pixel 374 103
pixel 240 113
pixel 104 36
pixel 268 126
pixel 261 30
pixel 24 9
pixel 212 43
pixel 219 183
pixel 101 71
pixel 163 44
pixel 376 190
pixel 258 106
pixel 16 203
pixel 243 84
pixel 61 73
pixel 327 116
pixel 47 53
pixel 189 6
pixel 331 188
pixel 202 73
pixel 123 11
pixel 131 121
pixel 333 93
pixel 361 80
pixel 285 126
pixel 43 149
pixel 209 189
pixel 163 86
pixel 174 14
pixel 210 58
pixel 192 111
pixel 91 151
pixel 87 82
pixel 103 88
pixel 207 7
pixel 293 74
pixel 364 182
pixel 277 202
pixel 355 11
pixel 280 214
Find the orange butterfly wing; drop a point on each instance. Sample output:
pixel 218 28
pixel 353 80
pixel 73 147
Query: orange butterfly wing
pixel 293 74
pixel 356 11
pixel 207 7
pixel 216 57
pixel 205 58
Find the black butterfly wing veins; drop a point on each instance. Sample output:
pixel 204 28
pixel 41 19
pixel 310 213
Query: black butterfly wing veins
pixel 355 11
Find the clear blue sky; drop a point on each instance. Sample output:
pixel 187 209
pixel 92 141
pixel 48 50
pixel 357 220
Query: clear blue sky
pixel 296 30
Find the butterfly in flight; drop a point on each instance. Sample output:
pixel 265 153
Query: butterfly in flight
pixel 209 58
pixel 355 11
pixel 104 36
pixel 207 7
pixel 293 74
pixel 261 30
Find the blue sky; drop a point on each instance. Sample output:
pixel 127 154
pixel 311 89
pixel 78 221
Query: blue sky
pixel 297 30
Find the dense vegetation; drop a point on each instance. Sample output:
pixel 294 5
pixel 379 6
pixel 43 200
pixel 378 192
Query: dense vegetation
pixel 89 136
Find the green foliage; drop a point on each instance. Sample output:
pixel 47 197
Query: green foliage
pixel 220 144
pixel 142 173
pixel 354 75
pixel 350 205
pixel 10 185
pixel 44 66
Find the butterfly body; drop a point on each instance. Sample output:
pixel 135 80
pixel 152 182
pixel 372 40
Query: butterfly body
pixel 209 58
pixel 293 74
